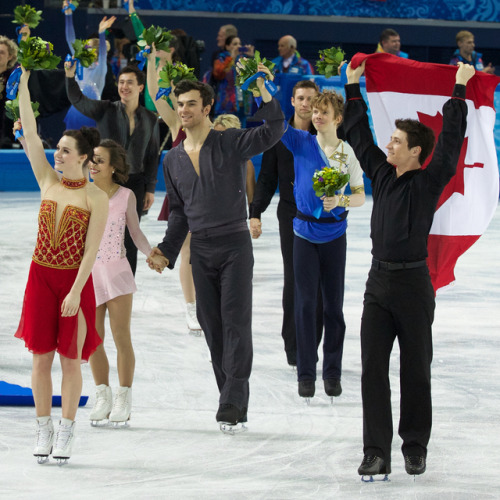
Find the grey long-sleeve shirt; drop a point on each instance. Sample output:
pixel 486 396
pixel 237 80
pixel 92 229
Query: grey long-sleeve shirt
pixel 112 122
pixel 214 202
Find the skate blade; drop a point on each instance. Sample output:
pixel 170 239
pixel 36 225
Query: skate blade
pixel 99 423
pixel 307 401
pixel 371 479
pixel 61 460
pixel 42 459
pixel 195 333
pixel 232 428
pixel 119 425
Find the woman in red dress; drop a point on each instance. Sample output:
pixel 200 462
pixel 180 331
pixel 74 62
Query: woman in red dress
pixel 59 304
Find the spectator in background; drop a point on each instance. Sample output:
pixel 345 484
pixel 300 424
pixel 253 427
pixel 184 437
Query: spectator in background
pixel 229 98
pixel 466 53
pixel 289 60
pixel 8 59
pixel 390 43
pixel 94 77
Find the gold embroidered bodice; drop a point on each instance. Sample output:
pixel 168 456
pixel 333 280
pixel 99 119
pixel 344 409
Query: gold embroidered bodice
pixel 61 249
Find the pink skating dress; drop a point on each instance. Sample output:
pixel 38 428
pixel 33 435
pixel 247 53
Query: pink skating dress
pixel 112 274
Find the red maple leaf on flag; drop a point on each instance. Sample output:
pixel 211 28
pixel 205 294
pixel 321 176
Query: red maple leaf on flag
pixel 457 182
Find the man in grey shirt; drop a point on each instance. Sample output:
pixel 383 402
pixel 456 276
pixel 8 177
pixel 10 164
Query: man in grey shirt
pixel 130 125
pixel 205 177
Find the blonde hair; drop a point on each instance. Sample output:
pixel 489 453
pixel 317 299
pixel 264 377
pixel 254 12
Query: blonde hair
pixel 12 48
pixel 323 99
pixel 462 35
pixel 228 121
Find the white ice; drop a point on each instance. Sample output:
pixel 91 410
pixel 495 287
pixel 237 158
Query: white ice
pixel 173 448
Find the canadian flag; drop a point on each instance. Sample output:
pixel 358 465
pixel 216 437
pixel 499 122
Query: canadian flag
pixel 402 88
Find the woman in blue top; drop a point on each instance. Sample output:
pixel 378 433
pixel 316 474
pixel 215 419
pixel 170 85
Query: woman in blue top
pixel 94 77
pixel 319 250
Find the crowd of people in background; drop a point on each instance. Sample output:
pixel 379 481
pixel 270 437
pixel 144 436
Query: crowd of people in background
pixel 100 81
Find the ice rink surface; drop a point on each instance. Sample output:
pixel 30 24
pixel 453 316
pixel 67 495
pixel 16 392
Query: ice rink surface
pixel 173 448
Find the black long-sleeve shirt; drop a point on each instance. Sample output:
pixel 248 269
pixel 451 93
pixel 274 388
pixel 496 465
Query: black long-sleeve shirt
pixel 277 168
pixel 142 145
pixel 215 201
pixel 403 207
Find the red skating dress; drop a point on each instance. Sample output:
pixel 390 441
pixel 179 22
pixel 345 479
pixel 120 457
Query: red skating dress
pixel 53 271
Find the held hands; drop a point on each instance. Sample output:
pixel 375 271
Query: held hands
pixel 255 227
pixel 464 73
pixel 330 202
pixel 353 75
pixel 157 261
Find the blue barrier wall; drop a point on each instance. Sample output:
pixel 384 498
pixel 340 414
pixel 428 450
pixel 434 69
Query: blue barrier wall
pixel 16 173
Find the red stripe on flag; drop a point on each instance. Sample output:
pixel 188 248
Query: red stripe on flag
pixel 444 252
pixel 389 73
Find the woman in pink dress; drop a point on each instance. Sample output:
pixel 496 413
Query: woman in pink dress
pixel 114 283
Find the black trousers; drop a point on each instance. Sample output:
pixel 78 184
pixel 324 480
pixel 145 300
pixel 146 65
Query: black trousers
pixel 136 184
pixel 222 273
pixel 285 219
pixel 397 304
pixel 319 265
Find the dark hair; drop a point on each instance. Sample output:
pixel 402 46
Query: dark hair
pixel 387 33
pixel 117 159
pixel 229 39
pixel 87 138
pixel 141 77
pixel 305 84
pixel 205 90
pixel 418 134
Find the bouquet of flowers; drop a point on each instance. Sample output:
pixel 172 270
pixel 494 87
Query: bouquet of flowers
pixel 160 37
pixel 12 109
pixel 24 15
pixel 329 61
pixel 173 73
pixel 328 181
pixel 35 53
pixel 84 53
pixel 248 71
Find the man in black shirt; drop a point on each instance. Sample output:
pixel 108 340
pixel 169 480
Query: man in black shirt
pixel 277 170
pixel 205 178
pixel 130 125
pixel 399 299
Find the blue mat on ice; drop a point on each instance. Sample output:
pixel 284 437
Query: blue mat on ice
pixel 15 395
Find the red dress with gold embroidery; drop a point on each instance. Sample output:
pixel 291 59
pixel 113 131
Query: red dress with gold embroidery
pixel 53 271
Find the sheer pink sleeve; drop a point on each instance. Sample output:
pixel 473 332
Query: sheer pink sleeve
pixel 140 241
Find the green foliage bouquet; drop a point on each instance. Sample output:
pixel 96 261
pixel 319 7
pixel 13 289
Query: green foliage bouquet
pixel 173 73
pixel 162 39
pixel 248 69
pixel 24 15
pixel 35 53
pixel 329 61
pixel 12 109
pixel 328 181
pixel 84 53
